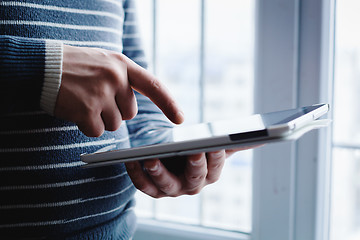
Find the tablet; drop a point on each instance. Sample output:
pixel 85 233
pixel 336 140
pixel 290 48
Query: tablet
pixel 211 136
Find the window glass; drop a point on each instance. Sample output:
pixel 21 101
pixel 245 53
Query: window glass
pixel 229 44
pixel 345 209
pixel 203 51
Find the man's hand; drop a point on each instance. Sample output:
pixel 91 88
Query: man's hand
pixel 202 169
pixel 156 181
pixel 96 90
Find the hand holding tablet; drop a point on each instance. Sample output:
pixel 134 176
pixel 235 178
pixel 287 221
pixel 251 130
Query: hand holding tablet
pixel 229 134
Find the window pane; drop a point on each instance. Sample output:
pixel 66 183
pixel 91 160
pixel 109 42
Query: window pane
pixel 178 65
pixel 178 51
pixel 229 44
pixel 227 203
pixel 229 27
pixel 224 90
pixel 345 209
pixel 345 218
pixel 347 73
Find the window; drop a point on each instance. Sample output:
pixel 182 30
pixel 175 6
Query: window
pixel 345 218
pixel 203 51
pixel 282 188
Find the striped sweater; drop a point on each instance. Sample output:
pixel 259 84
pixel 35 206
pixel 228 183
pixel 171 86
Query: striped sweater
pixel 44 193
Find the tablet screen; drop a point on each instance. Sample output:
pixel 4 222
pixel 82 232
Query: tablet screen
pixel 242 128
pixel 168 141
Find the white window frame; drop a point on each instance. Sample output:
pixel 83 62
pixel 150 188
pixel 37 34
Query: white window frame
pixel 291 181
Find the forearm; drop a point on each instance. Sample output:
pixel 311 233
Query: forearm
pixel 30 73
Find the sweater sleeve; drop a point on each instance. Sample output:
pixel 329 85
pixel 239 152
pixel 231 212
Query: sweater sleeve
pixel 149 116
pixel 30 74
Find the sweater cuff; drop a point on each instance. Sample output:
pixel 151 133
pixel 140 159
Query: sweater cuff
pixel 52 76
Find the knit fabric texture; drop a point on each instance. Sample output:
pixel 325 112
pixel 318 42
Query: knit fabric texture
pixel 45 194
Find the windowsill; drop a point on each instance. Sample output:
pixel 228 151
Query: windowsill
pixel 150 229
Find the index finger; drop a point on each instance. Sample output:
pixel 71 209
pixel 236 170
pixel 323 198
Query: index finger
pixel 145 83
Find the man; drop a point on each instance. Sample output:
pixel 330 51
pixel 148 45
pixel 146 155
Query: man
pixel 67 86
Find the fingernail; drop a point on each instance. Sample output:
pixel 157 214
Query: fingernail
pixel 153 168
pixel 218 154
pixel 196 163
pixel 180 116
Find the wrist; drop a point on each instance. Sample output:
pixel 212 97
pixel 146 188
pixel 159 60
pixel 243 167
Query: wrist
pixel 52 75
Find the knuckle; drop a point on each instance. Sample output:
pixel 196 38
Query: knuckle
pixel 112 126
pixel 93 132
pixel 89 128
pixel 130 113
pixel 217 166
pixel 174 195
pixel 109 68
pixel 157 196
pixel 197 177
pixel 119 57
pixel 194 191
pixel 97 90
pixel 170 104
pixel 167 187
pixel 143 187
pixel 111 73
pixel 212 179
pixel 88 111
pixel 155 83
pixel 96 133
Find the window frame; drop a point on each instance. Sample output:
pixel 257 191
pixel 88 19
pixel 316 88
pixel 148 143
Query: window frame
pixel 294 186
pixel 291 181
pixel 151 229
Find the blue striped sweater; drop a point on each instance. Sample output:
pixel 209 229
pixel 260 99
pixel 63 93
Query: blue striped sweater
pixel 43 191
